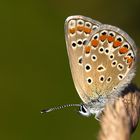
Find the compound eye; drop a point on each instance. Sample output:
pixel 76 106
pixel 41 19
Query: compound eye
pixel 83 109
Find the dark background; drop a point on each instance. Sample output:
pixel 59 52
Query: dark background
pixel 34 68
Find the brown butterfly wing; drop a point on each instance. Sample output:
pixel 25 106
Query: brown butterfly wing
pixel 109 63
pixel 77 31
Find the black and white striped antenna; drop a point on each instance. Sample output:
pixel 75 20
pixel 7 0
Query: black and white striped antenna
pixel 58 108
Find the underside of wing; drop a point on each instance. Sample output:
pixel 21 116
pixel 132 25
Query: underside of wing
pixel 109 63
pixel 77 31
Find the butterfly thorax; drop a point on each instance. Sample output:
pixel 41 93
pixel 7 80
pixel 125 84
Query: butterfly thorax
pixel 95 107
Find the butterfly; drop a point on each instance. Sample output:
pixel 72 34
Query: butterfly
pixel 102 60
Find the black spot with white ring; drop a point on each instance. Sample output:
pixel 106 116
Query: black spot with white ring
pixel 88 24
pixel 112 34
pixel 72 24
pixel 114 88
pixel 94 27
pixel 87 67
pixel 80 60
pixel 120 66
pixel 84 41
pixel 114 63
pixel 101 50
pixel 119 38
pixel 106 51
pixel 96 36
pixel 89 80
pixel 129 54
pixel 101 78
pixel 80 43
pixel 80 22
pixel 111 57
pixel 120 76
pixel 126 46
pixel 104 33
pixel 94 58
pixel 101 68
pixel 73 44
pixel 108 80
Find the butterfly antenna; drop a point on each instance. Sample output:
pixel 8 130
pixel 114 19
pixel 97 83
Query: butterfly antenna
pixel 58 107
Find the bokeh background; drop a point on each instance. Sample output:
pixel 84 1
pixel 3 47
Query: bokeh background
pixel 34 68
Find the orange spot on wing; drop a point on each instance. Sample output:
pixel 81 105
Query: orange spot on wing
pixel 117 44
pixel 87 30
pixel 94 43
pixel 123 50
pixel 111 38
pixel 72 30
pixel 103 37
pixel 87 49
pixel 129 60
pixel 80 28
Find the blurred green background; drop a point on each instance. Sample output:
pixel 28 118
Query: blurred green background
pixel 34 68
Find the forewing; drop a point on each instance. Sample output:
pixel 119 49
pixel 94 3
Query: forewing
pixel 77 31
pixel 109 62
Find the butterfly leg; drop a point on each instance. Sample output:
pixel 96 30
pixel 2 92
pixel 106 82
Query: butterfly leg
pixel 98 115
